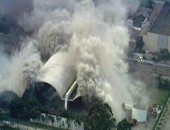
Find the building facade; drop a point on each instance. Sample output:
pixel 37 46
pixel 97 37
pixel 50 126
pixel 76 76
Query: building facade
pixel 154 42
pixel 158 37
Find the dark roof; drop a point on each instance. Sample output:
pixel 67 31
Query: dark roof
pixel 142 14
pixel 162 23
pixel 145 12
pixel 137 21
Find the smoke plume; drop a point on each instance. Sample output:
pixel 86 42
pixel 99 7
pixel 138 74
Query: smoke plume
pixel 18 70
pixel 94 35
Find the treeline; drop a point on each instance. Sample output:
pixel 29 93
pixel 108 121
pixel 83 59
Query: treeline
pixel 23 109
pixel 98 117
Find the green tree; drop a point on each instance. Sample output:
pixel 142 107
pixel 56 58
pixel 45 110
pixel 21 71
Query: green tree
pixel 123 125
pixel 16 108
pixel 139 44
pixel 164 54
pixel 100 117
pixel 22 109
pixel 146 3
pixel 163 84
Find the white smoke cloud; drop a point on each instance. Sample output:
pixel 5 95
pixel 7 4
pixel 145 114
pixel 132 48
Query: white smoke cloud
pixel 16 69
pixel 132 5
pixel 95 37
pixel 54 37
pixel 43 11
pixel 100 42
pixel 31 67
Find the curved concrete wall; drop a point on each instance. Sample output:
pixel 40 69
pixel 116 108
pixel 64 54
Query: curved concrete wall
pixel 58 72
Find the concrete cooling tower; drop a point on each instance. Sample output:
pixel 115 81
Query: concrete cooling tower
pixel 139 114
pixel 58 73
pixel 56 83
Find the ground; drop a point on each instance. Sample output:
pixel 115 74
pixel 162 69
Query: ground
pixel 160 98
pixel 155 95
pixel 26 124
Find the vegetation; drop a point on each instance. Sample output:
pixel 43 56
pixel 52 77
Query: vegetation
pixel 163 84
pixel 123 125
pixel 70 115
pixel 139 44
pixel 155 59
pixel 22 109
pixel 146 3
pixel 161 114
pixel 161 97
pixel 7 128
pixel 100 117
pixel 164 54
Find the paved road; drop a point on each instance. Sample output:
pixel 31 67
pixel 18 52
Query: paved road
pixel 155 68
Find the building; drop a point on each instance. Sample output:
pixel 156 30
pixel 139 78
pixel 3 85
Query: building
pixel 141 17
pixel 158 35
pixel 56 84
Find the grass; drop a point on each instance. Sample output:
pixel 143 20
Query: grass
pixel 161 97
pixel 4 116
pixel 162 100
pixel 7 128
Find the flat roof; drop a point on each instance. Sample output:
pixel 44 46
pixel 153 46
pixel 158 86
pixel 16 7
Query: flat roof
pixel 162 22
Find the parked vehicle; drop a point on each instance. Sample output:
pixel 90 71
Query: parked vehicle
pixel 133 122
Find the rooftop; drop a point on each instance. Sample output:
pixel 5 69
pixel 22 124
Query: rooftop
pixel 144 12
pixel 162 22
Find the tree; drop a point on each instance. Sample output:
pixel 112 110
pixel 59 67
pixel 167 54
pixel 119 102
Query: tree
pixel 22 109
pixel 16 108
pixel 139 44
pixel 100 117
pixel 164 54
pixel 163 84
pixel 123 125
pixel 146 3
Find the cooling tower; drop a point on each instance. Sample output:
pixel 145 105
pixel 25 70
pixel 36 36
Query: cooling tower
pixel 58 72
pixel 139 114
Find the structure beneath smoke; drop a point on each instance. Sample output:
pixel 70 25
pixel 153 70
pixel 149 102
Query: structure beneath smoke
pixel 94 38
pixel 59 74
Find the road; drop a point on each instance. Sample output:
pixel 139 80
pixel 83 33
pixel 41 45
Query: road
pixel 152 68
pixel 149 66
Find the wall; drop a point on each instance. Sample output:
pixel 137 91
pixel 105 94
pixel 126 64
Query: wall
pixel 59 122
pixel 169 43
pixel 150 41
pixel 153 42
pixel 162 42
